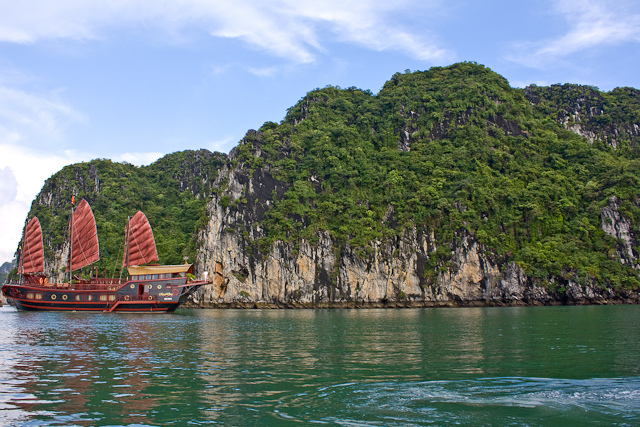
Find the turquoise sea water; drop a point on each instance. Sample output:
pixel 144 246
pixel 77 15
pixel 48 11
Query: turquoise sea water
pixel 535 366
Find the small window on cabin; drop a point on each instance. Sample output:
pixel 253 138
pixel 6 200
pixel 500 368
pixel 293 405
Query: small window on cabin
pixel 78 297
pixel 103 297
pixel 89 297
pixel 182 274
pixel 29 295
pixel 148 277
pixel 155 277
pixel 134 277
pixel 112 297
pixel 38 296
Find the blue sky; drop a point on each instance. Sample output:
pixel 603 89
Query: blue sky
pixel 132 80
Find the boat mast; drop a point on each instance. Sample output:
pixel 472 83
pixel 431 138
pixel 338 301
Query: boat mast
pixel 21 255
pixel 73 200
pixel 126 249
pixel 126 243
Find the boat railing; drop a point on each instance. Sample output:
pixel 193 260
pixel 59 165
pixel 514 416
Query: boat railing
pixel 106 281
pixel 98 281
pixel 106 287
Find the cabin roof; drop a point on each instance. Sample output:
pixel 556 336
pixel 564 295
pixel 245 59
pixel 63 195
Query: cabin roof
pixel 159 269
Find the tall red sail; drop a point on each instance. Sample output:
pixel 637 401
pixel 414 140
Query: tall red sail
pixel 85 249
pixel 141 246
pixel 32 259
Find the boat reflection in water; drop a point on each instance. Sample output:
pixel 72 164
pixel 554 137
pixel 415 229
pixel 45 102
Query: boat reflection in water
pixel 96 370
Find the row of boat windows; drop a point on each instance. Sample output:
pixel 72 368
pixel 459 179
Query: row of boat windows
pixel 64 297
pixel 156 276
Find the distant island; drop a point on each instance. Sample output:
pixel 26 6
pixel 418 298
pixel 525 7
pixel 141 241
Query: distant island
pixel 447 188
pixel 5 269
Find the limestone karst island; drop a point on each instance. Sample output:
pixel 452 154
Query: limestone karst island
pixel 448 187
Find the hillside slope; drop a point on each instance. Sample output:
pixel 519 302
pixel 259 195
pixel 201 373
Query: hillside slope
pixel 172 192
pixel 446 187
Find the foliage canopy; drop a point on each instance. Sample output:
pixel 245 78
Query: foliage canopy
pixel 446 150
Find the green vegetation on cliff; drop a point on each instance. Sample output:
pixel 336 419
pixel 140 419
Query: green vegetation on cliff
pixel 450 149
pixel 172 192
pixel 446 151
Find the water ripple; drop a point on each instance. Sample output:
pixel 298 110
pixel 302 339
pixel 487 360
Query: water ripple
pixel 540 366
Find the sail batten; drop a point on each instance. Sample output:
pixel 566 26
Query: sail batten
pixel 141 245
pixel 32 259
pixel 85 247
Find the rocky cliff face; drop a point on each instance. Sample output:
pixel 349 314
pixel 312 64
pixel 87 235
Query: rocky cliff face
pixel 389 274
pixel 617 226
pixel 592 114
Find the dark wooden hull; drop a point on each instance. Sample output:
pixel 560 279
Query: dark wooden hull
pixel 151 296
pixel 135 306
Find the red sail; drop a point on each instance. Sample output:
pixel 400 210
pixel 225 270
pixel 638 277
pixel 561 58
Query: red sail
pixel 141 245
pixel 32 260
pixel 84 247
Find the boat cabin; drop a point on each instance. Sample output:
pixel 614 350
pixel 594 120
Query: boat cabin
pixel 156 272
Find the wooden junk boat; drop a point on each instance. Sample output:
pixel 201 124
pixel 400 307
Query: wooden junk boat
pixel 150 288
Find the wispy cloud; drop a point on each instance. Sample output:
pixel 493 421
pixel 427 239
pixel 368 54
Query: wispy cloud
pixel 138 159
pixel 32 149
pixel 263 72
pixel 293 29
pixel 23 172
pixel 222 145
pixel 32 129
pixel 590 24
pixel 27 116
pixel 12 214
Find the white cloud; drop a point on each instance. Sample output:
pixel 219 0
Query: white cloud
pixel 291 29
pixel 23 174
pixel 25 117
pixel 32 135
pixel 8 185
pixel 590 24
pixel 263 72
pixel 222 145
pixel 138 159
pixel 368 23
pixel 13 215
pixel 31 131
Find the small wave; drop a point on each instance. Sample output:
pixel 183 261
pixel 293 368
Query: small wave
pixel 484 401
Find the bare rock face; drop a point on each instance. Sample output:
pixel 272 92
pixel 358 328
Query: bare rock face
pixel 317 276
pixel 325 274
pixel 55 269
pixel 615 225
pixel 471 276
